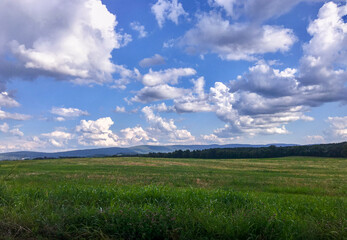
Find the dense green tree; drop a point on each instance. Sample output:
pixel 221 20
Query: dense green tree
pixel 322 150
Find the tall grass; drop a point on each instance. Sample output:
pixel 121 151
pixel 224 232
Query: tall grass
pixel 154 212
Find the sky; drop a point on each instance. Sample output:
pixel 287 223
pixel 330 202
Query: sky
pixel 83 74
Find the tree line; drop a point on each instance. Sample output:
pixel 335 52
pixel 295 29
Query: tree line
pixel 319 150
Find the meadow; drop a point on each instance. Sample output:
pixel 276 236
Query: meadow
pixel 154 198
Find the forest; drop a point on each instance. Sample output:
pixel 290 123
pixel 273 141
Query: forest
pixel 320 150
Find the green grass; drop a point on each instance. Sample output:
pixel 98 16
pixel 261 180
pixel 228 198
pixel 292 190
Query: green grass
pixel 145 198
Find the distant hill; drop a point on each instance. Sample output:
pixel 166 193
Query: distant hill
pixel 104 152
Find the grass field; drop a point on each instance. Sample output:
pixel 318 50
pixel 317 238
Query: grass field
pixel 146 198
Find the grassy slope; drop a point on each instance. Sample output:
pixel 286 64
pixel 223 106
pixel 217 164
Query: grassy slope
pixel 132 198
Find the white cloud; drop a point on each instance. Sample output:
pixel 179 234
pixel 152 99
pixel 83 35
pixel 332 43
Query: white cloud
pixel 169 44
pixel 324 65
pixel 212 138
pixel 268 98
pixel 264 100
pixel 58 138
pixel 228 107
pixel 314 139
pixel 22 144
pixel 58 134
pixel 156 85
pixel 14 116
pixel 68 112
pixel 165 129
pixel 328 32
pixel 166 9
pixel 97 133
pixel 162 107
pixel 152 61
pixel 338 128
pixel 136 26
pixel 77 46
pixel 170 75
pixel 125 76
pixel 195 101
pixel 59 119
pixel 16 132
pixel 228 5
pixel 268 81
pixel 223 100
pixel 235 41
pixel 120 109
pixel 7 101
pixel 124 39
pixel 159 92
pixel 4 128
pixel 321 77
pixel 136 135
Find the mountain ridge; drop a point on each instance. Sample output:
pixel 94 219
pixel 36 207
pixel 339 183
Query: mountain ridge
pixel 112 151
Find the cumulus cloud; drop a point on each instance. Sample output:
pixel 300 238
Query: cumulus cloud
pixel 162 107
pixel 68 112
pixel 166 9
pixel 267 81
pixel 261 101
pixel 226 109
pixel 77 46
pixel 264 99
pixel 243 112
pixel 16 132
pixel 338 128
pixel 170 75
pixel 19 144
pixel 157 85
pixel 58 138
pixel 228 5
pixel 157 93
pixel 165 129
pixel 152 61
pixel 235 41
pixel 321 76
pixel 136 135
pixel 120 109
pixel 59 119
pixel 125 76
pixel 195 101
pixel 5 128
pixel 97 133
pixel 323 69
pixel 136 26
pixel 7 101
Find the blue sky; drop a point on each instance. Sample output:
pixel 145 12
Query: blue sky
pixel 89 73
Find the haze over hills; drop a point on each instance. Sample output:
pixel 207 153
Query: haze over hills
pixel 104 152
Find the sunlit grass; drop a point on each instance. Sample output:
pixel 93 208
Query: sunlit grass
pixel 144 198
